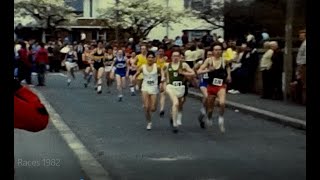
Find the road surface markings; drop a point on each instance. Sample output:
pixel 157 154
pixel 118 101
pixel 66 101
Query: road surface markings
pixel 172 158
pixel 58 74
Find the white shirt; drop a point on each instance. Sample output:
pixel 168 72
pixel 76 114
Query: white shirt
pixel 83 36
pixel 302 54
pixel 150 78
pixel 190 55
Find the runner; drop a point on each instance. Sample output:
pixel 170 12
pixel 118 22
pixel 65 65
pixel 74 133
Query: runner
pixel 176 73
pixel 108 66
pixel 71 63
pixel 120 68
pixel 142 59
pixel 131 71
pixel 219 74
pixel 88 64
pixel 203 88
pixel 149 88
pixel 161 61
pixel 98 57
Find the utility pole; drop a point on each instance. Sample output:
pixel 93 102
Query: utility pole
pixel 90 12
pixel 288 48
pixel 167 28
pixel 117 19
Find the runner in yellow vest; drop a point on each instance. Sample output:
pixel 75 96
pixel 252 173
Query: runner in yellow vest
pixel 142 59
pixel 161 61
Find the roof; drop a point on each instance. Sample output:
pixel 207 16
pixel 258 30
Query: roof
pixel 76 4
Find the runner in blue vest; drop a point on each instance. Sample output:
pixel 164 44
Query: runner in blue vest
pixel 120 70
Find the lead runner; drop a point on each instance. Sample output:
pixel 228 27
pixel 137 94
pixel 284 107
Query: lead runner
pixel 219 74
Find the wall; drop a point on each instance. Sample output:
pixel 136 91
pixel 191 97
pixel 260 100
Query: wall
pixel 176 28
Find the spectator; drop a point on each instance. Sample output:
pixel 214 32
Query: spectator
pixel 207 39
pixel 178 41
pixel 277 70
pixel 25 66
pixel 301 63
pixel 41 62
pixel 265 66
pixel 185 38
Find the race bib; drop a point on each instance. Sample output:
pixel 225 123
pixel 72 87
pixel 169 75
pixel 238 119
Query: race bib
pixel 177 83
pixel 69 59
pixel 120 65
pixel 205 76
pixel 217 82
pixel 150 82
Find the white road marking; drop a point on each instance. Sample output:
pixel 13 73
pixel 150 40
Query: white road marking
pixel 58 74
pixel 90 165
pixel 171 158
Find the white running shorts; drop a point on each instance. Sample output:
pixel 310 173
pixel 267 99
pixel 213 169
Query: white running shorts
pixel 177 90
pixel 70 65
pixel 150 89
pixel 107 68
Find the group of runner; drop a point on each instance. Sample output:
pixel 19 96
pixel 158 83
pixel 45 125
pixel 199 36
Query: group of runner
pixel 152 73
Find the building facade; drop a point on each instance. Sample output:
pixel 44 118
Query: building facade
pixel 91 7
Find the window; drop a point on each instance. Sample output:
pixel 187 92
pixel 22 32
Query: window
pixel 196 4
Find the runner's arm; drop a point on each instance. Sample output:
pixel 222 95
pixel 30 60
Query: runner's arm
pixel 203 68
pixel 228 72
pixel 139 70
pixel 75 56
pixel 84 57
pixel 128 66
pixel 188 71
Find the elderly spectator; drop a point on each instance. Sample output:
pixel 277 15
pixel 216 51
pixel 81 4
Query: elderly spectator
pixel 301 63
pixel 265 66
pixel 277 70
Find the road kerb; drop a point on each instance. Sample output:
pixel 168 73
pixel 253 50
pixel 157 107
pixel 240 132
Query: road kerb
pixel 279 118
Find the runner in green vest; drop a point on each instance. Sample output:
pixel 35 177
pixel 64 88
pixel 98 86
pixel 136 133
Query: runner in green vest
pixel 175 75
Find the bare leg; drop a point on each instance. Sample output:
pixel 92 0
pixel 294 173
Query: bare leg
pixel 99 78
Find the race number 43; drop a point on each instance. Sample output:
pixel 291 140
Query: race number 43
pixel 177 83
pixel 217 82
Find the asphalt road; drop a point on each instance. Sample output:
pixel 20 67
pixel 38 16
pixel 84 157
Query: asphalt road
pixel 114 132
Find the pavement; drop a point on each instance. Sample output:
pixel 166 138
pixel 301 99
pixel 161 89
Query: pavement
pixel 44 154
pixel 113 135
pixel 286 113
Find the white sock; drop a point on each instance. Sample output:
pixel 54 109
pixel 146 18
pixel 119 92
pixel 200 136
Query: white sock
pixel 99 88
pixel 137 87
pixel 203 110
pixel 220 120
pixel 69 80
pixel 120 95
pixel 132 89
pixel 179 118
